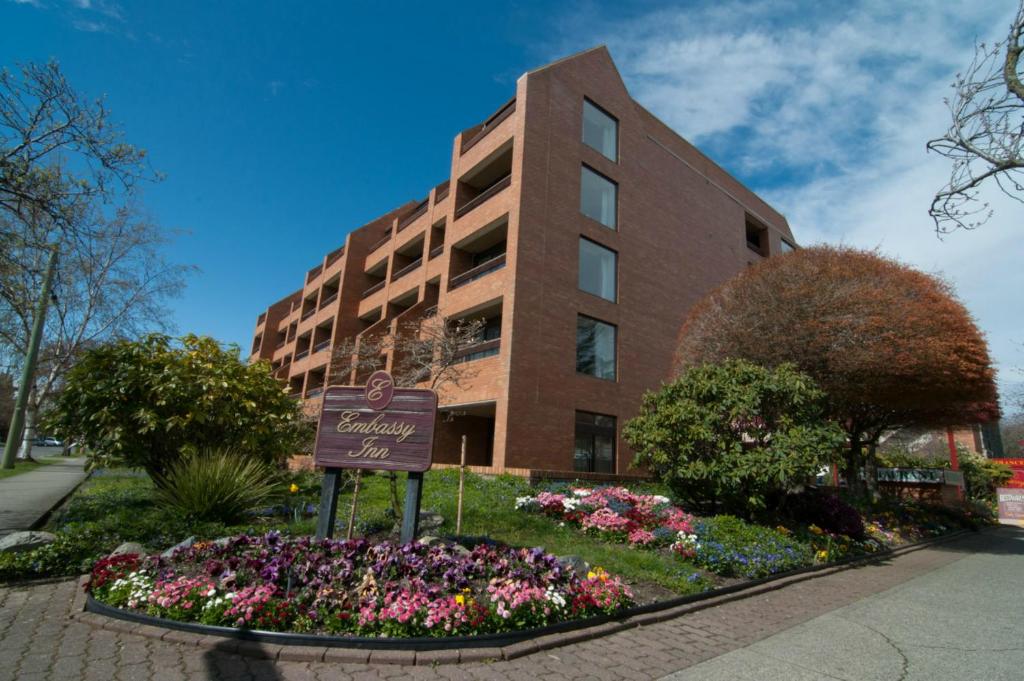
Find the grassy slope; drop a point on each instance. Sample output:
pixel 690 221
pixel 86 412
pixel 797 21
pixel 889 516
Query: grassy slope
pixel 24 467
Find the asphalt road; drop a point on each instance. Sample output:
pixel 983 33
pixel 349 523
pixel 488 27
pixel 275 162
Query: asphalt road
pixel 963 621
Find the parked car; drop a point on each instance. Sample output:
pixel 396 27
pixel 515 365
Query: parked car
pixel 47 442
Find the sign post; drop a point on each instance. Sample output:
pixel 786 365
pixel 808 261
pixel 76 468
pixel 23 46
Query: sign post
pixel 376 427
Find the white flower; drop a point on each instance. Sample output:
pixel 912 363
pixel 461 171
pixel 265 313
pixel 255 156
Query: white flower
pixel 660 499
pixel 581 492
pixel 524 502
pixel 570 504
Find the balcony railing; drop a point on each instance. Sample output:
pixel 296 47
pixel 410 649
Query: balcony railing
pixel 430 312
pixel 434 252
pixel 262 318
pixel 322 346
pixel 441 191
pixel 309 313
pixel 484 195
pixel 328 300
pixel 373 289
pixel 407 269
pixel 314 273
pixel 279 345
pixel 333 256
pixel 480 270
pixel 490 124
pixel 479 351
pixel 303 353
pixel 384 240
pixel 314 392
pixel 411 217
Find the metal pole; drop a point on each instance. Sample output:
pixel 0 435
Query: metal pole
pixel 328 503
pixel 28 373
pixel 462 483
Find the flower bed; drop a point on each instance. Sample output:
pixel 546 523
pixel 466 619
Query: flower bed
pixel 356 588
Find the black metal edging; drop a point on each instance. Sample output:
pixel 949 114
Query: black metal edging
pixel 496 640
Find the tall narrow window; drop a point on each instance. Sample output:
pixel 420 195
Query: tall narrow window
pixel 595 443
pixel 786 247
pixel 595 348
pixel 597 269
pixel 600 131
pixel 598 197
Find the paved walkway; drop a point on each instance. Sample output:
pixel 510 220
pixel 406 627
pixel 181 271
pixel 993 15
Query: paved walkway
pixel 27 497
pixel 961 621
pixel 39 641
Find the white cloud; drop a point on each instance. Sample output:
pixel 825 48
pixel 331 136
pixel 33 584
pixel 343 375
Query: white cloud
pixel 826 114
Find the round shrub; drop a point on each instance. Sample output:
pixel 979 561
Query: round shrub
pixel 218 485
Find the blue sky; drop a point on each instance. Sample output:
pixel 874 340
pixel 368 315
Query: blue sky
pixel 281 126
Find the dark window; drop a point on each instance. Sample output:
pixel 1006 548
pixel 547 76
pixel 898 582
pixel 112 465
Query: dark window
pixel 489 254
pixel 757 237
pixel 600 131
pixel 598 197
pixel 595 443
pixel 595 348
pixel 597 269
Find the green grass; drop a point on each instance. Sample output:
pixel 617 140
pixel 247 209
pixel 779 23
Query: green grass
pixel 26 466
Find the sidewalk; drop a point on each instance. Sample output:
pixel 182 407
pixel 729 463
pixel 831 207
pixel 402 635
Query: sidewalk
pixel 26 498
pixel 39 640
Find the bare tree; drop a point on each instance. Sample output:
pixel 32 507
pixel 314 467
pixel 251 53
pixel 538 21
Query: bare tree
pixel 59 151
pixel 986 138
pixel 111 282
pixel 428 353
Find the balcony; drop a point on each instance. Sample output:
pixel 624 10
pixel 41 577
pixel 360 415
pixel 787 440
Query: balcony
pixel 434 252
pixel 411 217
pixel 373 289
pixel 322 346
pixel 483 196
pixel 479 351
pixel 314 273
pixel 386 238
pixel 441 192
pixel 303 353
pixel 262 318
pixel 314 392
pixel 328 300
pixel 480 270
pixel 308 313
pixel 477 133
pixel 279 345
pixel 333 256
pixel 407 269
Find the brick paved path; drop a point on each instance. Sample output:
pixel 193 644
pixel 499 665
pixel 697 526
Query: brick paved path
pixel 39 641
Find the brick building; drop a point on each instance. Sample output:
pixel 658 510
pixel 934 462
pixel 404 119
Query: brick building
pixel 582 229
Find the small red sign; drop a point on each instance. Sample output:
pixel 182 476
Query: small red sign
pixel 1018 472
pixel 380 388
pixel 392 431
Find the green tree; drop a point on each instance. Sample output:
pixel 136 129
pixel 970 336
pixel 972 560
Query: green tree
pixel 735 433
pixel 145 403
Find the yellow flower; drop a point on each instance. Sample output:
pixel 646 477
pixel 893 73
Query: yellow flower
pixel 460 599
pixel 823 556
pixel 783 530
pixel 294 488
pixel 816 530
pixel 591 575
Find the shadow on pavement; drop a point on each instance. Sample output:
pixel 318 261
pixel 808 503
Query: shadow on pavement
pixel 222 663
pixel 1002 540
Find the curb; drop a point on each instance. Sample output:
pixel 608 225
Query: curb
pixel 277 646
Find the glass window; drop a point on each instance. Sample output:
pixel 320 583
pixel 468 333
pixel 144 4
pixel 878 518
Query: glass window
pixel 595 348
pixel 787 247
pixel 597 269
pixel 595 443
pixel 600 131
pixel 598 197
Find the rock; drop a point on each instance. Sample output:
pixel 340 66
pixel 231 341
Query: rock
pixel 129 547
pixel 574 563
pixel 17 542
pixel 430 540
pixel 222 541
pixel 184 544
pixel 430 521
pixel 461 550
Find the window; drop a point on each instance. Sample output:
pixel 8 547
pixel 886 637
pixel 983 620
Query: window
pixel 597 269
pixel 595 443
pixel 600 131
pixel 595 348
pixel 757 237
pixel 787 247
pixel 598 197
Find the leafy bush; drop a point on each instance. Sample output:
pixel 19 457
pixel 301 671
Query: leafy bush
pixel 827 511
pixel 982 476
pixel 731 547
pixel 145 403
pixel 734 433
pixel 218 485
pixel 900 459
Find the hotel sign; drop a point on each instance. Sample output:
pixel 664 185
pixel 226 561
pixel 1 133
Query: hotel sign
pixel 378 427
